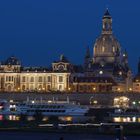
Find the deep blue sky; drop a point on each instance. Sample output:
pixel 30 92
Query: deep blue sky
pixel 38 31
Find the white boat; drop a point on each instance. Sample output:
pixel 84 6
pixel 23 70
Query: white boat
pixel 52 108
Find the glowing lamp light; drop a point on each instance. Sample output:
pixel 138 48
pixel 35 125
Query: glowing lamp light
pixel 95 102
pixel 101 72
pixel 94 88
pixel 130 89
pixel 118 89
pixel 124 55
pixel 134 103
pixel 33 102
pixel 11 101
pixel 49 101
pixel 120 73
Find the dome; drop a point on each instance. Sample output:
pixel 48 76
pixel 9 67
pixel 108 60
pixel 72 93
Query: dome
pixel 12 61
pixel 106 46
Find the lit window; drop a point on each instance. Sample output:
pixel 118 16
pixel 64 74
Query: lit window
pixel 60 78
pixel 118 89
pixel 94 88
pixel 124 55
pixel 23 79
pixel 120 73
pixel 113 49
pixel 103 49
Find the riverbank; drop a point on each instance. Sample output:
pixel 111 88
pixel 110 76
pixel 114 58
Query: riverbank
pixel 96 129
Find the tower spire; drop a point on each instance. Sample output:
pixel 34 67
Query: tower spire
pixel 107 23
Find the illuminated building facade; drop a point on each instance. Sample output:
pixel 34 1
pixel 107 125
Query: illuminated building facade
pixel 14 77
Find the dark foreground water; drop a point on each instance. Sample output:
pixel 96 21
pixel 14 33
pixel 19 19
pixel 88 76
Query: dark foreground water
pixel 54 136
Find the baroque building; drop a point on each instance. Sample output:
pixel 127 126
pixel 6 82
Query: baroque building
pixel 14 77
pixel 108 62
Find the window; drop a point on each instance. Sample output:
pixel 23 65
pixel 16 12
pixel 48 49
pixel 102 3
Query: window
pixel 9 78
pixel 23 79
pixel 40 79
pixel 113 49
pixel 60 78
pixel 6 78
pixel 32 79
pixel 49 78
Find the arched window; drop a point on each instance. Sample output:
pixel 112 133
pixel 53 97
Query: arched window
pixel 23 87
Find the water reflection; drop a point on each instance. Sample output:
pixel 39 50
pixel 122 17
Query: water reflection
pixel 44 118
pixel 127 119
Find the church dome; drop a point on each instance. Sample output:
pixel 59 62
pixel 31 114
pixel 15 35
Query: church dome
pixel 106 46
pixel 12 61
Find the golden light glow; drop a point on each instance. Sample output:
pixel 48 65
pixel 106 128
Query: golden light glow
pixel 118 89
pixel 94 88
pixel 130 89
pixel 49 101
pixel 121 101
pixel 66 119
pixel 95 102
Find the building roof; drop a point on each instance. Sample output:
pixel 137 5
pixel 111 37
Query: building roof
pixel 12 61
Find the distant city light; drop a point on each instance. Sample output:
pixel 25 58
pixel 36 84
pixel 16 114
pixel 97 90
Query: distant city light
pixel 101 72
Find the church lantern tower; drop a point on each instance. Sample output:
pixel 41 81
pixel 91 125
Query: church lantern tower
pixel 106 45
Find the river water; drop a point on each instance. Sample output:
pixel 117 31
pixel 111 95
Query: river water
pixel 56 136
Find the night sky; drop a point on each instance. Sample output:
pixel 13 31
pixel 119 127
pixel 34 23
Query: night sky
pixel 38 31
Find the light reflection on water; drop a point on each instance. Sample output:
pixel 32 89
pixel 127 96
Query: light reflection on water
pixel 127 119
pixel 31 118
